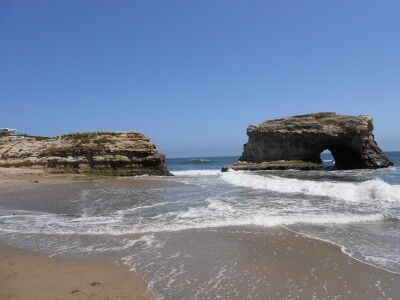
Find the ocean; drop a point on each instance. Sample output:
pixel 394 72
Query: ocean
pixel 164 231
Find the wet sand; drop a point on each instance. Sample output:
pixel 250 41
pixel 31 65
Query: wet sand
pixel 268 263
pixel 295 266
pixel 12 178
pixel 25 275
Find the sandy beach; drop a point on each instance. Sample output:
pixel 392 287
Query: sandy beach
pixel 29 177
pixel 289 265
pixel 29 276
pixel 26 275
pixel 273 263
pixel 25 177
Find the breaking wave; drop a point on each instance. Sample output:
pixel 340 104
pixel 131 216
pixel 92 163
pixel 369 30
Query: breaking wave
pixel 196 173
pixel 371 190
pixel 357 210
pixel 215 213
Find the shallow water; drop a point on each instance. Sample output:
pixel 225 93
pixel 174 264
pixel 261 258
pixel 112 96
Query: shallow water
pixel 358 210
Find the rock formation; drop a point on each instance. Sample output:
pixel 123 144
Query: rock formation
pixel 103 153
pixel 296 143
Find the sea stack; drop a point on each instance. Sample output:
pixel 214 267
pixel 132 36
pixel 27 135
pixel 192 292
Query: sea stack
pixel 297 142
pixel 100 153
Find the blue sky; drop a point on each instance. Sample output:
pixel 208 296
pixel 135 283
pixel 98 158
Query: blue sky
pixel 192 75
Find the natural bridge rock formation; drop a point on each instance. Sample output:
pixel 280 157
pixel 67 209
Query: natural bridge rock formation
pixel 102 153
pixel 296 143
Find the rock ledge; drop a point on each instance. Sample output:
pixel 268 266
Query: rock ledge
pixel 99 153
pixel 296 143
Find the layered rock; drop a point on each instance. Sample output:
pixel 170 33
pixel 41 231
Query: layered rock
pixel 108 153
pixel 297 142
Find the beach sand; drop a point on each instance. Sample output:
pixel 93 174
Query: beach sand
pixel 26 275
pixel 271 263
pixel 11 178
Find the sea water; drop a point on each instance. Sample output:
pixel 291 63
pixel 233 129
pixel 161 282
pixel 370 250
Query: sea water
pixel 163 231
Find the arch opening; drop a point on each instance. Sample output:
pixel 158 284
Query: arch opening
pixel 328 160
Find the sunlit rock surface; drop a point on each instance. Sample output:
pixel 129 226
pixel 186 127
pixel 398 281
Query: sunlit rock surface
pixel 102 153
pixel 296 143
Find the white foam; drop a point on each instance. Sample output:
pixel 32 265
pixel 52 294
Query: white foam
pixel 220 205
pixel 262 218
pixel 372 190
pixel 334 218
pixel 196 173
pixel 200 160
pixel 216 214
pixel 227 207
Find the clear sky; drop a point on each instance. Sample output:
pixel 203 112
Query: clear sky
pixel 193 74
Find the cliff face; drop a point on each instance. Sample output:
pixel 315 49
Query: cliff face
pixel 103 153
pixel 296 143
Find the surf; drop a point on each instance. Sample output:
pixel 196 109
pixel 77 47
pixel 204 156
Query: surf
pixel 366 191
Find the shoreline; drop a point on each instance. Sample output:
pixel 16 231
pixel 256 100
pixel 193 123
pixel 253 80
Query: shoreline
pixel 15 178
pixel 11 178
pixel 27 275
pixel 285 255
pixel 340 248
pixel 284 262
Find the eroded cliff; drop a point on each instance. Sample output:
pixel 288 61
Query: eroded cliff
pixel 296 143
pixel 103 153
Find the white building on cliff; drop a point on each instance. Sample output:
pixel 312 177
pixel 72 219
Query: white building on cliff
pixel 8 131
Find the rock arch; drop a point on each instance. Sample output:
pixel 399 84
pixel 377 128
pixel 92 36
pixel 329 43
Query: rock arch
pixel 327 159
pixel 296 143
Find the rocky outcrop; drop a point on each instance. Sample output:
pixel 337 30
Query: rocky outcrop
pixel 103 153
pixel 296 143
